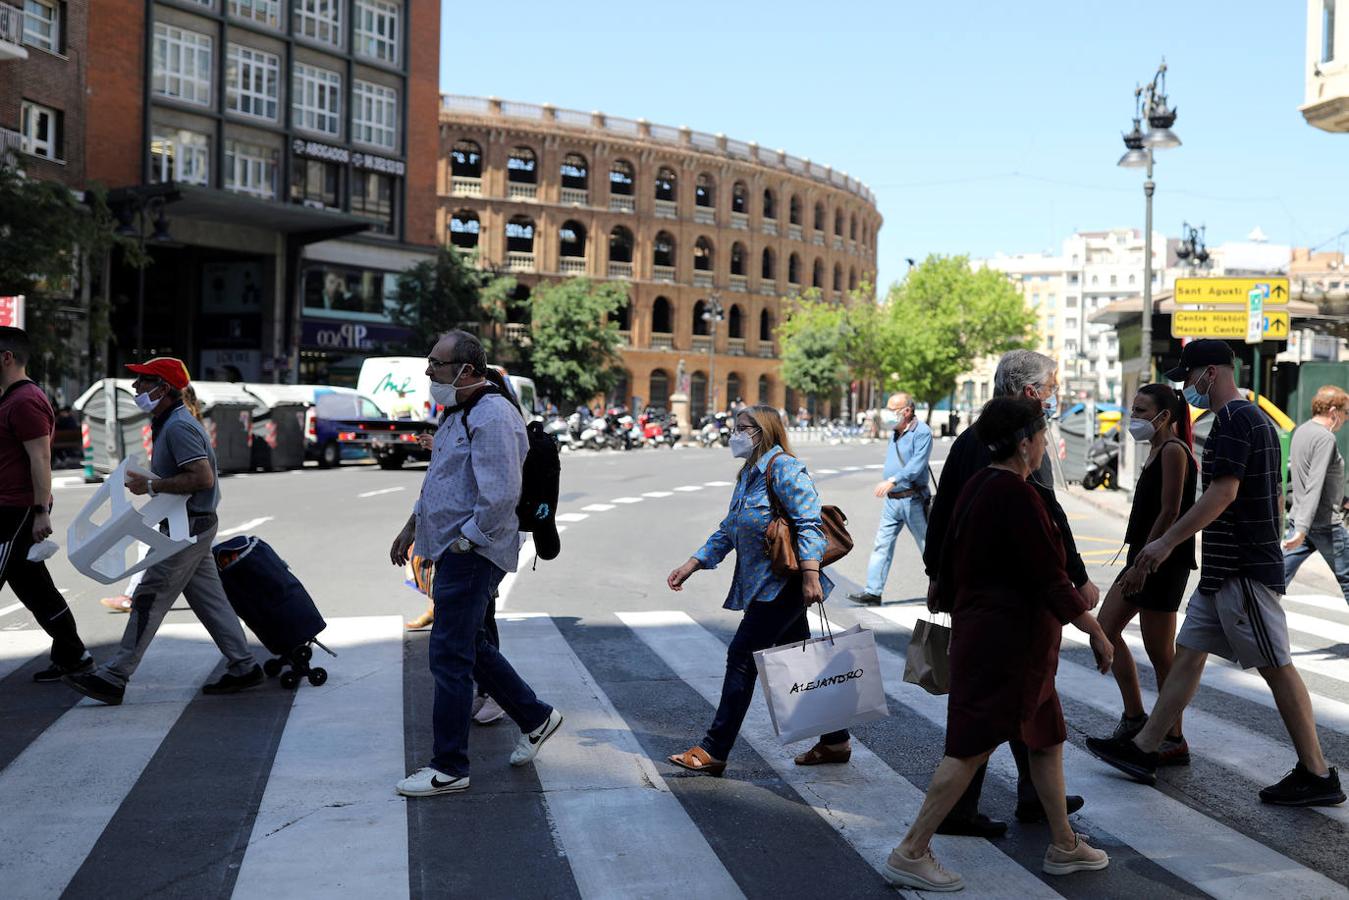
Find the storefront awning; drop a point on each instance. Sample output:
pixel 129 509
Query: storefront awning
pixel 302 224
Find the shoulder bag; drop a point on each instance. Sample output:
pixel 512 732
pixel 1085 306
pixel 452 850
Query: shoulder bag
pixel 782 543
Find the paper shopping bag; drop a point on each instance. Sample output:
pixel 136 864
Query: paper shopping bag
pixel 927 662
pixel 821 685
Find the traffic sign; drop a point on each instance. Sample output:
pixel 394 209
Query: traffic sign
pixel 1255 314
pixel 1230 291
pixel 1227 324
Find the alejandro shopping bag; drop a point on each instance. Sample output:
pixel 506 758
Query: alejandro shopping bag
pixel 823 684
pixel 927 662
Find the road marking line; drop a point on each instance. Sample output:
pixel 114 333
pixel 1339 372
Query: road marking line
pixel 874 466
pixel 392 490
pixel 13 607
pixel 689 488
pixel 852 468
pixel 626 500
pixel 65 481
pixel 597 507
pixel 572 517
pixel 251 523
pixel 19 646
pixel 826 471
pixel 657 494
pixel 718 484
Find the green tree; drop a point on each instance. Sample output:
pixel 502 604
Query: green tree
pixel 574 348
pixel 450 292
pixel 944 317
pixel 869 337
pixel 814 339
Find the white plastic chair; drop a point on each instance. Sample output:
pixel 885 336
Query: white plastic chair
pixel 100 550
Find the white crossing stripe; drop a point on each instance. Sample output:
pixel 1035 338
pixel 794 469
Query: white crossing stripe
pixel 597 507
pixel 689 488
pixel 852 468
pixel 826 471
pixel 330 823
pixel 1200 850
pixel 866 801
pixel 527 555
pixel 656 495
pixel 874 466
pixel 60 793
pixel 624 833
pixel 13 607
pixel 718 484
pixel 247 526
pixel 391 490
pixel 572 517
pixel 1321 601
pixel 626 500
pixel 18 647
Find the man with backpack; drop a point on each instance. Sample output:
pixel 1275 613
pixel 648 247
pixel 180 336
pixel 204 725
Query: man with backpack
pixel 905 489
pixel 466 520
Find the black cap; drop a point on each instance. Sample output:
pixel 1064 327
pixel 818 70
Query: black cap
pixel 1200 353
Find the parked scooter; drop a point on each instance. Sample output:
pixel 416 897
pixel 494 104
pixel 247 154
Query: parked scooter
pixel 560 430
pixel 1103 462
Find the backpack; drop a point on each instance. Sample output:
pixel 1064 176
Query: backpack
pixel 540 477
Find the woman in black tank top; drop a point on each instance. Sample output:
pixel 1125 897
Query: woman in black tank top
pixel 1165 492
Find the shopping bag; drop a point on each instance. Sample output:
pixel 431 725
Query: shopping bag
pixel 823 684
pixel 927 663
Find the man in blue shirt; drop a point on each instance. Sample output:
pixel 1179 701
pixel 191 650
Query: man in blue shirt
pixel 906 490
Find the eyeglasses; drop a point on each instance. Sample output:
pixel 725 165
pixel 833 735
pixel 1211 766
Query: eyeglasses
pixel 439 364
pixel 747 429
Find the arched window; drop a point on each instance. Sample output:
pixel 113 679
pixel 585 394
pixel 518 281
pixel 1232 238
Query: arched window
pixel 466 160
pixel 765 390
pixel 737 258
pixel 518 311
pixel 663 250
pixel 575 172
pixel 620 178
pixel 699 323
pixel 621 393
pixel 852 279
pixel 852 228
pixel 522 167
pixel 660 388
pixel 464 229
pixel 698 390
pixel 838 277
pixel 819 215
pixel 666 184
pixel 794 210
pixel 794 269
pixel 620 245
pixel 817 274
pixel 623 319
pixel 705 191
pixel 735 322
pixel 571 239
pixel 770 265
pixel 702 255
pixel 520 235
pixel 770 204
pixel 739 198
pixel 733 392
pixel 765 326
pixel 838 222
pixel 661 317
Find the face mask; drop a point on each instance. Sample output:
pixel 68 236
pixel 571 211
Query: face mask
pixel 1143 430
pixel 146 402
pixel 889 417
pixel 444 394
pixel 742 445
pixel 1195 398
pixel 1051 406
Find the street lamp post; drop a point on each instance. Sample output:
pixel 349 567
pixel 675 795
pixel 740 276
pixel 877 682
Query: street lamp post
pixel 712 314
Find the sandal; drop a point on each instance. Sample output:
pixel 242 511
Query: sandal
pixel 121 603
pixel 698 760
pixel 820 755
pixel 422 621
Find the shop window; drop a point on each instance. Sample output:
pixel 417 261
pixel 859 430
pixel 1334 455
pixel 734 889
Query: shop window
pixel 347 292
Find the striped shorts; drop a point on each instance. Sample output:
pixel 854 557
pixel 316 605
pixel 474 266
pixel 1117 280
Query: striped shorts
pixel 1243 622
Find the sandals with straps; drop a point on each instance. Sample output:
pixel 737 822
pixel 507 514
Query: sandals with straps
pixel 696 759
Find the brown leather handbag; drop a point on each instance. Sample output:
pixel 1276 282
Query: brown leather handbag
pixel 782 543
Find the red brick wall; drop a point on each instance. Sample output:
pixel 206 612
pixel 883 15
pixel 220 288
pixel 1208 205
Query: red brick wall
pixel 55 81
pixel 116 74
pixel 423 104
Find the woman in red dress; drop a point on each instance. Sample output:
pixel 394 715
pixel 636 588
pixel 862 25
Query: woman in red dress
pixel 1012 599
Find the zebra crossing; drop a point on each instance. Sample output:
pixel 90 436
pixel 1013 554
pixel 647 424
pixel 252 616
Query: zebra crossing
pixel 275 793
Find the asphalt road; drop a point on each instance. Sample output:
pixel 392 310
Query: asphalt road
pixel 268 792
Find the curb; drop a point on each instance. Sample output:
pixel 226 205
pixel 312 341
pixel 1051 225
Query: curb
pixel 1090 498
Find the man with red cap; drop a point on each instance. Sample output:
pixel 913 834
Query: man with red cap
pixel 183 462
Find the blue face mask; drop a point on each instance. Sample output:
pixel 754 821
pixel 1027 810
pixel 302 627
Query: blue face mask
pixel 1195 398
pixel 1051 406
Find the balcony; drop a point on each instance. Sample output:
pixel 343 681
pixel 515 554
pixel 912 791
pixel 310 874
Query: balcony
pixel 740 283
pixel 12 144
pixel 667 209
pixel 704 216
pixel 620 270
pixel 794 232
pixel 519 262
pixel 766 350
pixel 576 196
pixel 702 343
pixel 817 239
pixel 735 347
pixel 625 338
pixel 769 227
pixel 622 204
pixel 663 273
pixel 768 288
pixel 465 187
pixel 522 191
pixel 572 265
pixel 740 221
pixel 11 33
pixel 702 279
pixel 662 342
pixel 838 242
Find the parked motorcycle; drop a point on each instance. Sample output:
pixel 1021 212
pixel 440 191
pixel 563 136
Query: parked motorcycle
pixel 595 435
pixel 560 430
pixel 658 428
pixel 1103 462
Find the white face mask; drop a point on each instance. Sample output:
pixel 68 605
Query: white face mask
pixel 742 445
pixel 448 394
pixel 146 402
pixel 1143 430
pixel 889 417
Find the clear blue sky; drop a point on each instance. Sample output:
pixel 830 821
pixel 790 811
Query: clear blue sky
pixel 982 127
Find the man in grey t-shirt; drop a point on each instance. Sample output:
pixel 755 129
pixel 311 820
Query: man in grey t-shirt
pixel 183 462
pixel 1316 524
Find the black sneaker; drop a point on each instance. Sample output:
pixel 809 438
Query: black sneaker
pixel 55 672
pixel 1124 754
pixel 233 684
pixel 1130 725
pixel 1031 812
pixel 978 825
pixel 100 689
pixel 866 598
pixel 1301 788
pixel 1174 751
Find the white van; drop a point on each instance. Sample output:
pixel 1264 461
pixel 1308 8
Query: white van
pixel 399 386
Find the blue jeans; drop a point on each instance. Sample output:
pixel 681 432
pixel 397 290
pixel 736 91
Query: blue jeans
pixel 895 515
pixel 462 653
pixel 1332 542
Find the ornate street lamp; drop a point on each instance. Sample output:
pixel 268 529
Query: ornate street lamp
pixel 712 314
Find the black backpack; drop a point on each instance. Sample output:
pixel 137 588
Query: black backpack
pixel 540 477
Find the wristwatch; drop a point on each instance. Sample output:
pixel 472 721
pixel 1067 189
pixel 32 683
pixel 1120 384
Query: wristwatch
pixel 461 545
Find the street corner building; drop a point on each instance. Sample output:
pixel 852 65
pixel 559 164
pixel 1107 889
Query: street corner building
pixel 268 152
pixel 682 217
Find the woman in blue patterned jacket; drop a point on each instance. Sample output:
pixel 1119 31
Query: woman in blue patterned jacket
pixel 774 605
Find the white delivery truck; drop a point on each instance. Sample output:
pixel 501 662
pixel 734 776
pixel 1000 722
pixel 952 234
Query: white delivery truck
pixel 399 386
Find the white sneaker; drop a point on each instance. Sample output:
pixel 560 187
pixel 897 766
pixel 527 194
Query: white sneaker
pixel 428 782
pixel 489 713
pixel 528 746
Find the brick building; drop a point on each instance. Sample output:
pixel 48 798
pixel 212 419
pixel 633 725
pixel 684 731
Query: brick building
pixel 678 215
